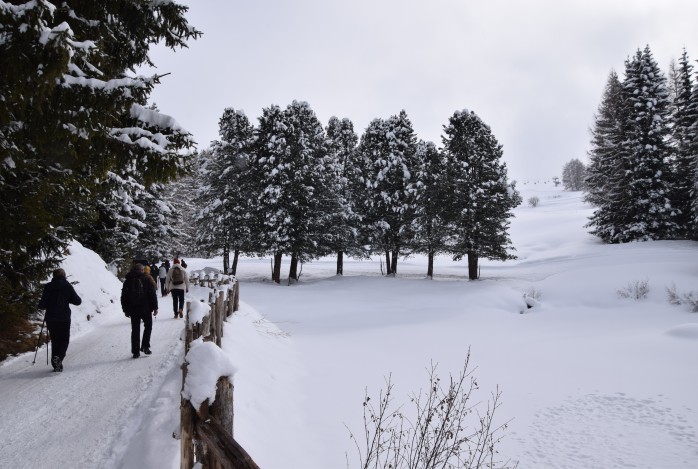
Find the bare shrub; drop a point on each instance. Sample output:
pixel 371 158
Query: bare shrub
pixel 533 201
pixel 636 290
pixel 442 428
pixel 675 298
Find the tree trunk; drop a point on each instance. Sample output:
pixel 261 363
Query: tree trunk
pixel 340 262
pixel 393 267
pixel 293 270
pixel 226 259
pixel 430 265
pixel 472 266
pixel 235 262
pixel 388 264
pixel 276 272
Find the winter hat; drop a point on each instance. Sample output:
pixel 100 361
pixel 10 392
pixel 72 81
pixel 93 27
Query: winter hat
pixel 176 260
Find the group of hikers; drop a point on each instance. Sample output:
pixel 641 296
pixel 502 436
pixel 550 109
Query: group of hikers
pixel 139 303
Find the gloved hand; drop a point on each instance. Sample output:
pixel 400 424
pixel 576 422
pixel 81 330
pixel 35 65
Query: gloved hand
pixel 127 315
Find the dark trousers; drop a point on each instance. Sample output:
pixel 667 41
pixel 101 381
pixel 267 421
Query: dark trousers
pixel 177 299
pixel 60 337
pixel 162 285
pixel 136 342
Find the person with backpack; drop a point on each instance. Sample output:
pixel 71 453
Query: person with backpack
pixel 138 301
pixel 56 299
pixel 162 273
pixel 154 274
pixel 177 283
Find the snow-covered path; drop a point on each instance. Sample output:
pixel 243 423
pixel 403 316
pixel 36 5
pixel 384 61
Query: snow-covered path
pixel 96 405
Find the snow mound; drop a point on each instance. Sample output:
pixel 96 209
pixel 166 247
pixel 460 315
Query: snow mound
pixel 98 287
pixel 207 362
pixel 685 331
pixel 197 311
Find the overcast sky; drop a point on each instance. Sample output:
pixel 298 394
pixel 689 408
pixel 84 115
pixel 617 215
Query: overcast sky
pixel 533 70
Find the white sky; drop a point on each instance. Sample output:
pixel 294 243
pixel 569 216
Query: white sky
pixel 533 70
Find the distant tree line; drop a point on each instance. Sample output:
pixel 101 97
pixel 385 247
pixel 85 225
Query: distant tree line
pixel 82 154
pixel 288 186
pixel 642 175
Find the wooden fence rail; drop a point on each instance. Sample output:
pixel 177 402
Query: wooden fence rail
pixel 207 433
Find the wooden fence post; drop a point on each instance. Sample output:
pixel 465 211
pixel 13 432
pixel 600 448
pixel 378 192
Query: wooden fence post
pixel 236 296
pixel 207 433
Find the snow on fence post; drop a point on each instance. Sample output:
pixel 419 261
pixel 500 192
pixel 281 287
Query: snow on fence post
pixel 207 433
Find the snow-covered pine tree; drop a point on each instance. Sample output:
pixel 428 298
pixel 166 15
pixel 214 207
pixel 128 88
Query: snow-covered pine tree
pixel 313 195
pixel 684 120
pixel 342 151
pixel 606 170
pixel 271 168
pixel 226 218
pixel 481 200
pixel 693 149
pixel 606 138
pixel 388 161
pixel 645 204
pixel 573 174
pixel 71 112
pixel 117 221
pixel 430 229
pixel 162 234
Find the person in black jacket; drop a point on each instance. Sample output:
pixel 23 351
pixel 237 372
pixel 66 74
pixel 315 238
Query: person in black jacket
pixel 56 299
pixel 138 301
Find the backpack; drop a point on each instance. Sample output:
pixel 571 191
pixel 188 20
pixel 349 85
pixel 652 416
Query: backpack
pixel 177 276
pixel 135 291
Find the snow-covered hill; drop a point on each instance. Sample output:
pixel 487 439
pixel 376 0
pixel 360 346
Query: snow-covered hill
pixel 589 378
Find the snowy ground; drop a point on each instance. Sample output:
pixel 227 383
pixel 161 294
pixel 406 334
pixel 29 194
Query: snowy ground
pixel 590 379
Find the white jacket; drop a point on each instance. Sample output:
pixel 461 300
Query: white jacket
pixel 183 286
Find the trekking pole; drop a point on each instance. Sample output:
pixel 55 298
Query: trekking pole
pixel 38 341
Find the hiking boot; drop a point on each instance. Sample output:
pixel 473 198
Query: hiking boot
pixel 146 350
pixel 57 364
pixel 136 355
pixel 181 315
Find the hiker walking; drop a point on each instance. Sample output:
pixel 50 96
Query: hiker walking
pixel 138 300
pixel 162 273
pixel 154 274
pixel 177 283
pixel 56 299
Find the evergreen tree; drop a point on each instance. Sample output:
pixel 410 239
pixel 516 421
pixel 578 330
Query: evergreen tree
pixel 161 234
pixel 270 166
pixel 693 149
pixel 71 117
pixel 573 174
pixel 481 200
pixel 646 205
pixel 388 161
pixel 342 151
pixel 605 144
pixel 117 223
pixel 685 123
pixel 180 195
pixel 226 218
pixel 314 202
pixel 430 228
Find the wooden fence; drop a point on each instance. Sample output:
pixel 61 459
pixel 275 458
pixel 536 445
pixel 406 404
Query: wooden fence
pixel 207 433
